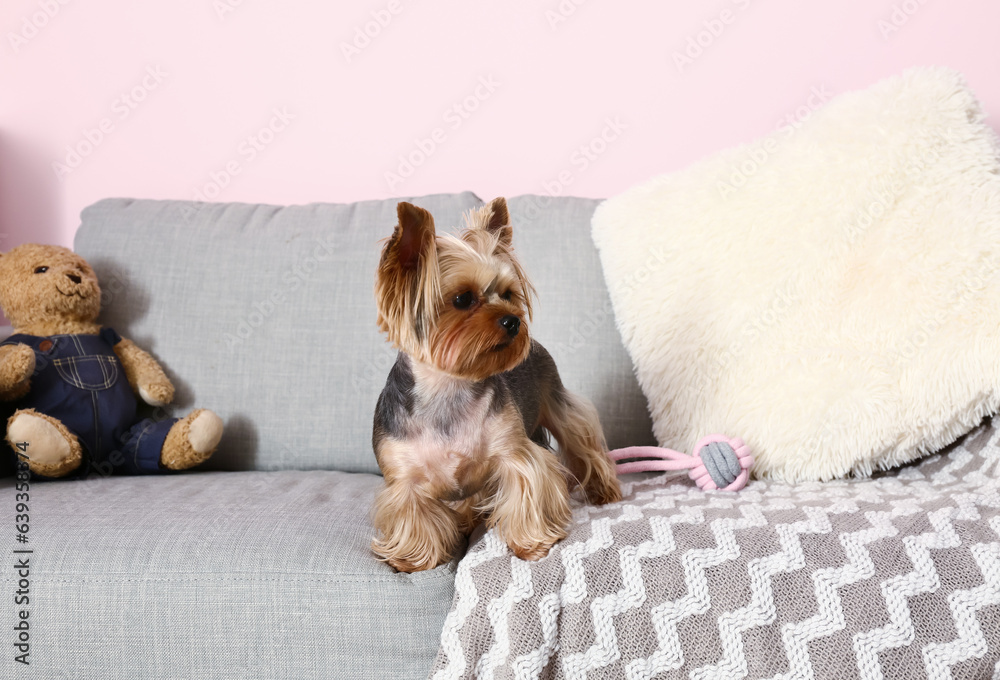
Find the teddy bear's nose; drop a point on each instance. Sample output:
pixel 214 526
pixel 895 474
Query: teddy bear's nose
pixel 74 278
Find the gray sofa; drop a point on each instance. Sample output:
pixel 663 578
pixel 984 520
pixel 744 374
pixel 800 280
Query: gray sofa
pixel 258 565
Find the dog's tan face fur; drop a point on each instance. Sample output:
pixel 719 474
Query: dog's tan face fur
pixel 440 299
pixel 49 286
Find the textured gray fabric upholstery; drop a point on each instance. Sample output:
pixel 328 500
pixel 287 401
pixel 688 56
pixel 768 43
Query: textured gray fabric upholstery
pixel 219 575
pixel 266 315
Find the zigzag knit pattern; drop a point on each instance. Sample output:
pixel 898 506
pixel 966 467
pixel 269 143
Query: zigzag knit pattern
pixel 892 577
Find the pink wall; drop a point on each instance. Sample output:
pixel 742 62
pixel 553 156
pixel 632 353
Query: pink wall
pixel 250 100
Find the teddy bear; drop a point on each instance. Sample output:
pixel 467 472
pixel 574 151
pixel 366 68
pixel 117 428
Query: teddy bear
pixel 73 383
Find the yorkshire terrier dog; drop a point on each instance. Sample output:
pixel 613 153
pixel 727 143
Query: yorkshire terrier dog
pixel 461 427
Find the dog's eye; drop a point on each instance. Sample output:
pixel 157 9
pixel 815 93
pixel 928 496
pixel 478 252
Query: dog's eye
pixel 464 301
pixel 41 270
pixel 507 295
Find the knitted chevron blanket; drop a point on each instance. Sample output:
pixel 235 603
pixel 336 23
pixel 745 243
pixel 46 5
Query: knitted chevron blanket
pixel 896 576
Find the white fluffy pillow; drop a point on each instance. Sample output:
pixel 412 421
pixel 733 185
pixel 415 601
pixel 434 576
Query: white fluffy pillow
pixel 831 293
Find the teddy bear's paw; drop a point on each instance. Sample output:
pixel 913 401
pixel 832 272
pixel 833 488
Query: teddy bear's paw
pixel 157 394
pixel 17 363
pixel 191 440
pixel 48 446
pixel 205 432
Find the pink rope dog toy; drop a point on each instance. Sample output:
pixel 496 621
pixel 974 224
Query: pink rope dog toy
pixel 718 462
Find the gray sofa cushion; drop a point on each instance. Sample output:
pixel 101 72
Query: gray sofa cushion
pixel 221 575
pixel 266 315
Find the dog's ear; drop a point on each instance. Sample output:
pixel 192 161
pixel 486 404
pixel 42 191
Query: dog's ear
pixel 407 284
pixel 498 220
pixel 413 236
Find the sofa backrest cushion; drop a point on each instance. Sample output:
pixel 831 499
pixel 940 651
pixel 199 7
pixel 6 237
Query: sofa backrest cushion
pixel 265 314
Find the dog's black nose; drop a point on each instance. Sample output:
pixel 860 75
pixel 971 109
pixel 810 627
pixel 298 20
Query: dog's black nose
pixel 74 278
pixel 511 324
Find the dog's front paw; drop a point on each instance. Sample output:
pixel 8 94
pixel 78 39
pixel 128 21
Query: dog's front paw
pixel 536 546
pixel 531 552
pixel 408 567
pixel 414 531
pixel 602 490
pixel 412 562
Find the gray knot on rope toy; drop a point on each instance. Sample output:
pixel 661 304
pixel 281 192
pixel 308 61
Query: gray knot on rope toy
pixel 719 462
